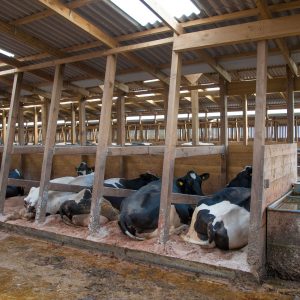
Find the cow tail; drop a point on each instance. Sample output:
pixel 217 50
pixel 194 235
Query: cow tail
pixel 126 231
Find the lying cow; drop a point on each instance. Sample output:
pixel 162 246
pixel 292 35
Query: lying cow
pixel 140 211
pixel 56 198
pixel 130 184
pixel 11 190
pixel 83 169
pixel 222 220
pixel 72 208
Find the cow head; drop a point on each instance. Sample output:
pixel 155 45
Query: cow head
pixel 191 183
pixel 83 169
pixel 242 179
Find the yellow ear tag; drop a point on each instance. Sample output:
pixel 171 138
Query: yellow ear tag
pixel 180 183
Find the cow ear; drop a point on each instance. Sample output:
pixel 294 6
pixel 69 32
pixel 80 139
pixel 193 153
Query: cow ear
pixel 204 176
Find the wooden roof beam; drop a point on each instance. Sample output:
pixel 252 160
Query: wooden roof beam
pixel 265 13
pixel 36 43
pixel 240 33
pixel 88 27
pixel 176 27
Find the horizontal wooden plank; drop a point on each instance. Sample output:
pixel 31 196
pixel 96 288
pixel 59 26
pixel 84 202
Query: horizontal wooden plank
pixel 241 33
pixel 199 150
pixel 68 188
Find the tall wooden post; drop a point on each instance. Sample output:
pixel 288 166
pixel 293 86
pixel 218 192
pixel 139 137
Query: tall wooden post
pixel 45 118
pixel 8 143
pixel 290 106
pixel 4 128
pixel 121 119
pixel 141 129
pixel 82 121
pixel 73 124
pixel 170 148
pixel 50 143
pixel 245 121
pixel 21 131
pixel 224 129
pixel 257 231
pixel 36 129
pixel 104 124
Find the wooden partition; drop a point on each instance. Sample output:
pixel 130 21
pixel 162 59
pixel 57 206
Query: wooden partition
pixel 280 170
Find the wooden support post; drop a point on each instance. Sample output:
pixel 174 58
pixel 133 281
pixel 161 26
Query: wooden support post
pixel 82 121
pixel 36 129
pixel 206 127
pixel 121 121
pixel 50 143
pixel 73 124
pixel 45 118
pixel 9 140
pixel 224 129
pixel 165 97
pixel 21 131
pixel 104 124
pixel 245 121
pixel 257 231
pixel 141 129
pixel 290 106
pixel 170 148
pixel 4 128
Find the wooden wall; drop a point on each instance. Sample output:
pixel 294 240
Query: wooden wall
pixel 280 170
pixel 131 166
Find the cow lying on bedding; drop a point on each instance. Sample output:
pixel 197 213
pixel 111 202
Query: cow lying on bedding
pixel 140 211
pixel 222 220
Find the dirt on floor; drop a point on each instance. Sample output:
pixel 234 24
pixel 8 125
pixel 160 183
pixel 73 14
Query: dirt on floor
pixel 35 269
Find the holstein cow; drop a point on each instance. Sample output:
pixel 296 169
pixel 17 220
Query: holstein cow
pixel 11 190
pixel 84 169
pixel 56 198
pixel 71 208
pixel 130 184
pixel 140 211
pixel 222 220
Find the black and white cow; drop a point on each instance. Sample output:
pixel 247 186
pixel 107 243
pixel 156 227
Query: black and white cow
pixel 11 190
pixel 130 184
pixel 140 211
pixel 222 220
pixel 71 208
pixel 84 169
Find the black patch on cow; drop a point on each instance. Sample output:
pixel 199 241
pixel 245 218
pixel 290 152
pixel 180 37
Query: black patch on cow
pixel 239 196
pixel 242 179
pixel 201 223
pixel 185 213
pixel 219 235
pixel 11 190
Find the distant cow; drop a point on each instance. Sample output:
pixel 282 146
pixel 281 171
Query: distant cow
pixel 11 190
pixel 83 169
pixel 140 211
pixel 222 220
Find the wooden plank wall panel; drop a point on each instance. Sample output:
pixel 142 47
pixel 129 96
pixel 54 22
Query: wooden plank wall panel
pixel 239 156
pixel 64 165
pixel 280 170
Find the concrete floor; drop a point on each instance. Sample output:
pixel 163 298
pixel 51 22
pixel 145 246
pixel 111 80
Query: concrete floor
pixel 35 269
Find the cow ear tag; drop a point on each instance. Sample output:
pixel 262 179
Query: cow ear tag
pixel 180 183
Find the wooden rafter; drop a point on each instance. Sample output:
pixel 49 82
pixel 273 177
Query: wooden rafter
pixel 100 35
pixel 176 27
pixel 34 42
pixel 281 43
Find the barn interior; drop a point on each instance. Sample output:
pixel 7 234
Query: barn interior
pixel 81 79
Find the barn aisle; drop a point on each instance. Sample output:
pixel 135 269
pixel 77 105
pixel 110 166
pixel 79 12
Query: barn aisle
pixel 34 269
